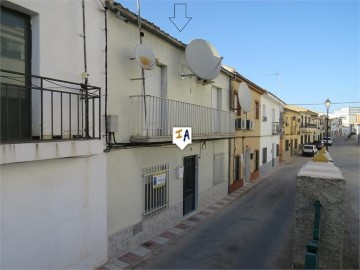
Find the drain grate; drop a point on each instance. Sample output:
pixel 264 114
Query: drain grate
pixel 148 244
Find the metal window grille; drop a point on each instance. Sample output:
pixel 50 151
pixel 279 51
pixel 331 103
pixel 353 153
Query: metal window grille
pixel 219 167
pixel 156 189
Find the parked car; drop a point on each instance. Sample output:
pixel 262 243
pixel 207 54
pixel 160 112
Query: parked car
pixel 329 140
pixel 309 150
pixel 319 144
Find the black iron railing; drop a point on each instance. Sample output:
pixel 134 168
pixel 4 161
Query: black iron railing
pixel 40 108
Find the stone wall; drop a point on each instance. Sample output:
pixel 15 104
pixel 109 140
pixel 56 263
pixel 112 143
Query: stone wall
pixel 324 182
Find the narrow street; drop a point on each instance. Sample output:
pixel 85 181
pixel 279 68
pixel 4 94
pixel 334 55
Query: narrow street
pixel 346 155
pixel 256 231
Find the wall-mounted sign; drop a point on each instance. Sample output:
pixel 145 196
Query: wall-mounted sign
pixel 182 136
pixel 159 179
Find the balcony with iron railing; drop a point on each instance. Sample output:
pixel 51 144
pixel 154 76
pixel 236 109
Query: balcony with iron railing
pixel 44 118
pixel 36 108
pixel 154 118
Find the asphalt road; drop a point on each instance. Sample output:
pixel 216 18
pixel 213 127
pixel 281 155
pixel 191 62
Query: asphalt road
pixel 346 156
pixel 256 231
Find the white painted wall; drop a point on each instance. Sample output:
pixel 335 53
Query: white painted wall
pixel 272 104
pixel 53 194
pixel 53 213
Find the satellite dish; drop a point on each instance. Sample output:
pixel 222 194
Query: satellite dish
pixel 244 97
pixel 144 57
pixel 203 59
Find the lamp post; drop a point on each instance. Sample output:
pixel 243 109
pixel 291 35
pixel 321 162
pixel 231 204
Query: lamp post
pixel 327 105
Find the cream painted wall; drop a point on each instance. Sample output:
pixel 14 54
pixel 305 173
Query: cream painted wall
pixel 53 213
pixel 125 181
pixel 123 38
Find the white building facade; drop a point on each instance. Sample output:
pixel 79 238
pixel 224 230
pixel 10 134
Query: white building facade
pixel 348 115
pixel 270 131
pixel 53 169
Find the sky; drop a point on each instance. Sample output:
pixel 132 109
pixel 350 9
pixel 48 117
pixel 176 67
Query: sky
pixel 312 45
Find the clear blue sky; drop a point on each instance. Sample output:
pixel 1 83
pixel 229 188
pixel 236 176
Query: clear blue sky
pixel 314 45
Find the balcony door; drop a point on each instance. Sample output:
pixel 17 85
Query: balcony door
pixel 154 89
pixel 15 37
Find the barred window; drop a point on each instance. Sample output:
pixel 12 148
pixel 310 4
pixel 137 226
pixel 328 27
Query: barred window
pixel 286 145
pixel 156 186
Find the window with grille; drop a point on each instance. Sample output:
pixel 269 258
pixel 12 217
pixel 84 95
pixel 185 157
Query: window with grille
pixel 156 188
pixel 277 150
pixel 219 167
pixel 286 145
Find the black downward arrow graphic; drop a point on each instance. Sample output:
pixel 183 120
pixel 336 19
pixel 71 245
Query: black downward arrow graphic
pixel 180 19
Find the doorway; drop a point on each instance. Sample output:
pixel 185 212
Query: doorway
pixel 247 166
pixel 189 184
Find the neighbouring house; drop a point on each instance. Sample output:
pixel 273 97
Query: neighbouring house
pixel 53 169
pixel 291 139
pixel 348 115
pixel 336 127
pixel 140 145
pixel 272 109
pixel 245 147
pixel 309 124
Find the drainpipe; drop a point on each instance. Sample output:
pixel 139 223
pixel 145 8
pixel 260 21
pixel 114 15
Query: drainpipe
pixel 86 76
pixel 229 140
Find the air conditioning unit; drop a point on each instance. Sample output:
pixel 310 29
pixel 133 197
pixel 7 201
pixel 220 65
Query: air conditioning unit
pixel 264 119
pixel 243 123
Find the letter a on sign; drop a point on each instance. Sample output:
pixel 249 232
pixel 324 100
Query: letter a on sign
pixel 182 136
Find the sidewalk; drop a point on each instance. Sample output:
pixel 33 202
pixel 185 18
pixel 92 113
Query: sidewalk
pixel 134 257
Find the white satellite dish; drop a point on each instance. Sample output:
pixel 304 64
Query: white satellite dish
pixel 203 59
pixel 144 56
pixel 244 97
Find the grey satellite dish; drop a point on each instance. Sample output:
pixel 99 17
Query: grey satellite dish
pixel 203 59
pixel 144 57
pixel 244 97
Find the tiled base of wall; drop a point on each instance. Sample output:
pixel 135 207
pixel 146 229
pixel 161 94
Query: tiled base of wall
pixel 212 195
pixel 254 175
pixel 130 237
pixel 236 185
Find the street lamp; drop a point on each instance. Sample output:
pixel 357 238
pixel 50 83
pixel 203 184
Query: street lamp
pixel 327 105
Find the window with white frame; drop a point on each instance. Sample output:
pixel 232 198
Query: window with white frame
pixel 219 167
pixel 156 188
